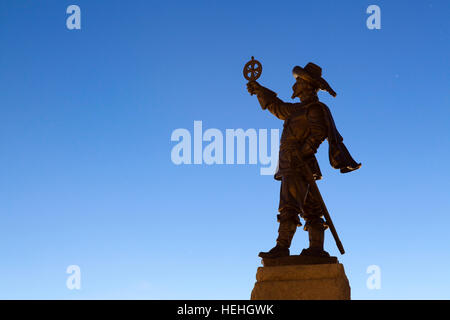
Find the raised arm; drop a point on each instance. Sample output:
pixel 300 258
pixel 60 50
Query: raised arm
pixel 269 100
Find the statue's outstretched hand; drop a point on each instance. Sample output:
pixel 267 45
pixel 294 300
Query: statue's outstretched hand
pixel 253 87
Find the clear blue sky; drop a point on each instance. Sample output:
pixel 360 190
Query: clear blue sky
pixel 86 118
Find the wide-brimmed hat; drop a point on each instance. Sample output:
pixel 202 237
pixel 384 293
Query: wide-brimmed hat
pixel 313 74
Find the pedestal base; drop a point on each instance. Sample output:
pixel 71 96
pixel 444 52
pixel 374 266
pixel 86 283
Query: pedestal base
pixel 301 282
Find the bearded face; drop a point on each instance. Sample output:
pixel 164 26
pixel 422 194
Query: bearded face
pixel 303 89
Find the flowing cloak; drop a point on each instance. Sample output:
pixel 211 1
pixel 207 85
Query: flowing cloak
pixel 338 154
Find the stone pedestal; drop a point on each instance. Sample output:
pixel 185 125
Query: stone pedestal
pixel 298 278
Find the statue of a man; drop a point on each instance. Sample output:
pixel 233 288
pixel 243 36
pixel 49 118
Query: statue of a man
pixel 306 125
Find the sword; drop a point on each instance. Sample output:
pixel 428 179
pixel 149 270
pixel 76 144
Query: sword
pixel 328 220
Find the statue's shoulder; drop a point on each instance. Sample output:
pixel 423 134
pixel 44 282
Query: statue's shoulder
pixel 320 104
pixel 317 109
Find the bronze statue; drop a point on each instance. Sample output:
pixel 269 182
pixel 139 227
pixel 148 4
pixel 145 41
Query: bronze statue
pixel 306 125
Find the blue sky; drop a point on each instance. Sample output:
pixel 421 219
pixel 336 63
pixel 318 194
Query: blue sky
pixel 86 118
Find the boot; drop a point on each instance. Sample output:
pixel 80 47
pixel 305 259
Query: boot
pixel 316 233
pixel 286 232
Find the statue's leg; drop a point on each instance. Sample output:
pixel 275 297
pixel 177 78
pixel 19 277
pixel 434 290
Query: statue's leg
pixel 288 219
pixel 316 233
pixel 315 225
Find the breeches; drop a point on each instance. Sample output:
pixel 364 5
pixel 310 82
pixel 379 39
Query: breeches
pixel 296 196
